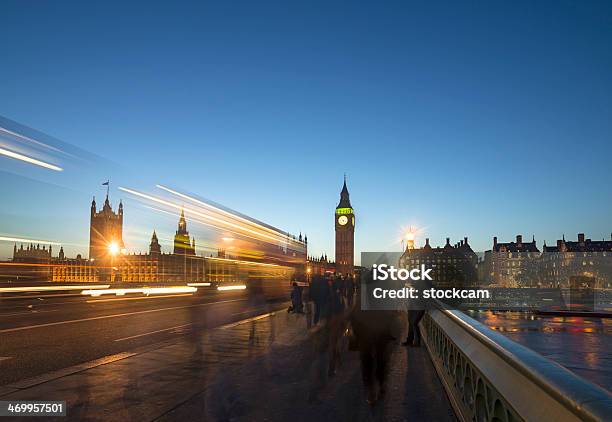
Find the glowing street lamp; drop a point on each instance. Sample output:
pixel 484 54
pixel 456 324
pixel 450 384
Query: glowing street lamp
pixel 409 238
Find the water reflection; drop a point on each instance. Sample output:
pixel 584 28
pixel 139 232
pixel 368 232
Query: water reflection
pixel 581 344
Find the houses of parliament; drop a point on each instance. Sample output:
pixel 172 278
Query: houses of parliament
pixel 108 260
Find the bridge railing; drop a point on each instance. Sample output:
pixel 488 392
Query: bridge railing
pixel 489 377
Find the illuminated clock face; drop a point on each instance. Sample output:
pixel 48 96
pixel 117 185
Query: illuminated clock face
pixel 342 220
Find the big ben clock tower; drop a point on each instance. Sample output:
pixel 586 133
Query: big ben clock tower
pixel 345 234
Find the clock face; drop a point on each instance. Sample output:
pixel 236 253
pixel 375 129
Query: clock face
pixel 342 220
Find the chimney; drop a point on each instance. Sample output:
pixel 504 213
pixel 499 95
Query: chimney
pixel 461 243
pixel 519 238
pixel 581 237
pixel 465 240
pixel 426 241
pixel 494 241
pixel 448 240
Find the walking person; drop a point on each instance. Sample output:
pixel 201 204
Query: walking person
pixel 373 335
pixel 296 299
pixel 318 294
pixel 416 310
pixel 336 321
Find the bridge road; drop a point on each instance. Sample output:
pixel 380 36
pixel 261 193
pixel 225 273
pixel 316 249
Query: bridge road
pixel 261 368
pixel 40 333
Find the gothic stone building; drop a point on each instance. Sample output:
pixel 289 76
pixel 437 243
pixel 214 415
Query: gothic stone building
pixel 105 232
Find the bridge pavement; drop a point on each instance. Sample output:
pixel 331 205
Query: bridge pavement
pixel 270 367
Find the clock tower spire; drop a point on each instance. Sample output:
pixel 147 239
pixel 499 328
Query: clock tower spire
pixel 345 233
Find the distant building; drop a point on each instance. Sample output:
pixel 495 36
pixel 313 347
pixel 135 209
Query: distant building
pixel 29 263
pixel 453 266
pixel 155 266
pixel 109 262
pixel 512 264
pixel 183 245
pixel 583 259
pixel 344 219
pixel 105 232
pixel 74 269
pixel 32 254
pixel 319 266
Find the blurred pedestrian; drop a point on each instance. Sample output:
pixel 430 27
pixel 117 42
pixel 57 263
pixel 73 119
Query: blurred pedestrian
pixel 337 321
pixel 416 310
pixel 296 299
pixel 319 295
pixel 373 335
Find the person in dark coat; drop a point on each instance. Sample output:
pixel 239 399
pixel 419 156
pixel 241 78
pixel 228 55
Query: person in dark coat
pixel 416 311
pixel 336 321
pixel 319 295
pixel 373 335
pixel 296 298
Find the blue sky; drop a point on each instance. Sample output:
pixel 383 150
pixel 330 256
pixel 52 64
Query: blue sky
pixel 463 118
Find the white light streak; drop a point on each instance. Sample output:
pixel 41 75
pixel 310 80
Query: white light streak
pixel 51 288
pixel 145 291
pixel 30 160
pixel 234 287
pixel 198 284
pixel 26 138
pixel 22 240
pixel 200 214
pixel 229 214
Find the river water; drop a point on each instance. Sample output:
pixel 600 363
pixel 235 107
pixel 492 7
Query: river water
pixel 582 345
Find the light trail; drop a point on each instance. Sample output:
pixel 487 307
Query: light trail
pixel 198 284
pixel 199 222
pixel 120 299
pixel 34 141
pixel 145 290
pixel 50 288
pixel 233 287
pixel 244 262
pixel 30 160
pixel 23 240
pixel 200 214
pixel 229 214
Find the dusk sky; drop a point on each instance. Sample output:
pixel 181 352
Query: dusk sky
pixel 474 119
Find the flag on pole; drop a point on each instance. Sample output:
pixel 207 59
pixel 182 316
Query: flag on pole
pixel 107 184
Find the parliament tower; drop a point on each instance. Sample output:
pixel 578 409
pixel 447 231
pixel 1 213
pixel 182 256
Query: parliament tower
pixel 105 231
pixel 345 234
pixel 183 244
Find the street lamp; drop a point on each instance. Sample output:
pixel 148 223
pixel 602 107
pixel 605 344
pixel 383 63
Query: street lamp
pixel 409 238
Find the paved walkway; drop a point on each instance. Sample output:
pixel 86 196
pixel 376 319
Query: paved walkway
pixel 269 368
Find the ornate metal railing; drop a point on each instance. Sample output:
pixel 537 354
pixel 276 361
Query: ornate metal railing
pixel 488 377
